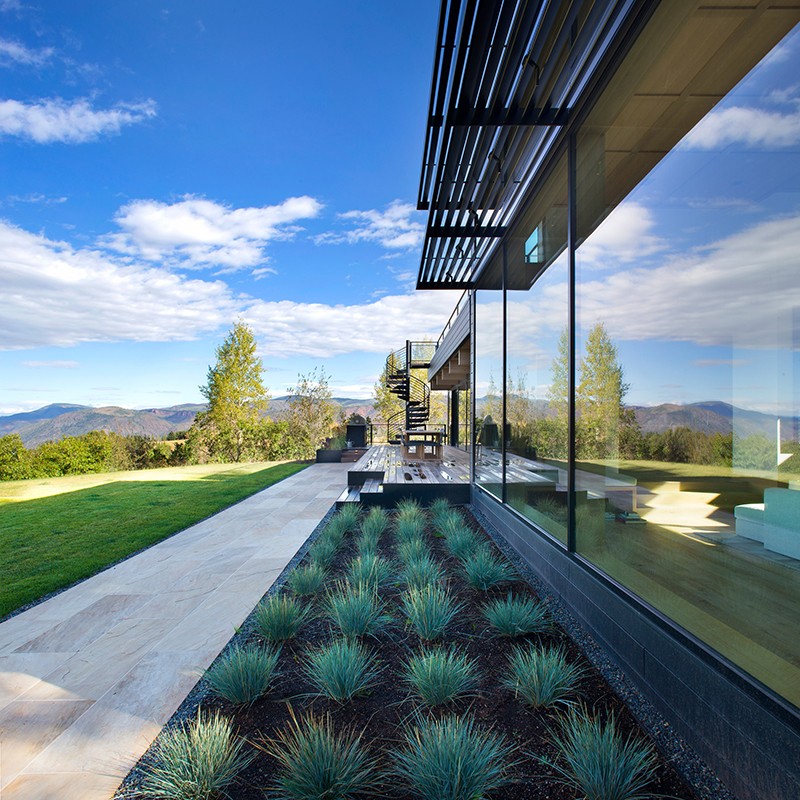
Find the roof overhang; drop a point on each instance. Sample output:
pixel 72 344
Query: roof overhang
pixel 504 79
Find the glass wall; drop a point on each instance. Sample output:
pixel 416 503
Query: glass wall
pixel 536 361
pixel 688 330
pixel 488 388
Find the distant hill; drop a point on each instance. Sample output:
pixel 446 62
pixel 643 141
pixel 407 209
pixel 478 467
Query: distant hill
pixel 714 417
pixel 58 420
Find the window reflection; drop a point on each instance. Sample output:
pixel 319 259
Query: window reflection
pixel 688 373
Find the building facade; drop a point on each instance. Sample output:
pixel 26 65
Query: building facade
pixel 616 188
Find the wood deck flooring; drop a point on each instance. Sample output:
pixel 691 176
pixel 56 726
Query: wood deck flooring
pixel 382 477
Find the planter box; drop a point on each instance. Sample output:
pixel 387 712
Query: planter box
pixel 329 456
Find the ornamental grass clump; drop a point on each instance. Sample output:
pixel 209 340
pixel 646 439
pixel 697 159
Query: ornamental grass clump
pixel 409 509
pixel 483 570
pixel 316 763
pixel 422 571
pixel 198 760
pixel 356 609
pixel 371 570
pixel 452 759
pixel 375 523
pixel 324 550
pixel 307 580
pixel 462 542
pixel 412 550
pixel 347 517
pixel 439 507
pixel 341 670
pixel 449 521
pixel 429 609
pixel 410 528
pixel 243 674
pixel 279 617
pixel 367 545
pixel 543 677
pixel 599 762
pixel 440 676
pixel 517 616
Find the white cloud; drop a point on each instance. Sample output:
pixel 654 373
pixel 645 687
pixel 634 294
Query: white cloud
pixel 36 198
pixel 626 235
pixel 12 52
pixel 399 227
pixel 195 232
pixel 57 120
pixel 752 127
pixel 51 364
pixel 739 291
pixel 262 272
pixel 56 295
pixel 287 328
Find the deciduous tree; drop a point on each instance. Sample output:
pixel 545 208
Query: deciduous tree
pixel 235 393
pixel 312 412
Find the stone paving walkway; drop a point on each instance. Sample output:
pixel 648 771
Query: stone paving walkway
pixel 89 677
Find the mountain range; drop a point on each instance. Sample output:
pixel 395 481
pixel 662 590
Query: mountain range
pixel 58 420
pixel 55 421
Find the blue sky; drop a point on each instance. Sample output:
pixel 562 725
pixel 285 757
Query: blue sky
pixel 169 167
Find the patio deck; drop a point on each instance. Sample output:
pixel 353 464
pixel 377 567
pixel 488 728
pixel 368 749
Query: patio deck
pixel 382 477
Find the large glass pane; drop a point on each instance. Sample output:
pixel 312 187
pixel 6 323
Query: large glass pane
pixel 536 362
pixel 489 390
pixel 688 309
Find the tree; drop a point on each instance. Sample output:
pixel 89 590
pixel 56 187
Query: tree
pixel 312 412
pixel 236 395
pixel 600 395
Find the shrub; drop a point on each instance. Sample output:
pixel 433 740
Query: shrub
pixel 356 609
pixel 371 570
pixel 341 669
pixel 308 579
pixel 196 761
pixel 542 676
pixel 315 763
pixel 517 616
pixel 430 610
pixel 279 617
pixel 484 570
pixel 597 761
pixel 243 674
pixel 439 676
pixel 462 542
pixel 423 571
pixel 452 759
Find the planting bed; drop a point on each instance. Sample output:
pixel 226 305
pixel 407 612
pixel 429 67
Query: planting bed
pixel 387 710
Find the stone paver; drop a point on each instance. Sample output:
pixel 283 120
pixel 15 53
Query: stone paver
pixel 89 677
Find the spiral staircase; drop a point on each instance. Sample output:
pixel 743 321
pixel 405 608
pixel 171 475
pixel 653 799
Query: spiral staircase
pixel 415 392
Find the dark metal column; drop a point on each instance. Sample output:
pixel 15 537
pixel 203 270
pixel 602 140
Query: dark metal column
pixel 454 422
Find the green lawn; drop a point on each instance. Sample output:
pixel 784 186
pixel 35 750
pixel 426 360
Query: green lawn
pixel 56 531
